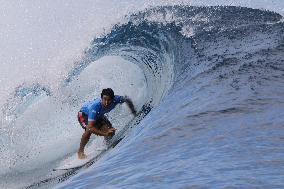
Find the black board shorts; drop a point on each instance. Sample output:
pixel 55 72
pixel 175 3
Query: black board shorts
pixel 83 120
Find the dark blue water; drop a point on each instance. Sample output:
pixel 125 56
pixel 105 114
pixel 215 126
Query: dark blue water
pixel 220 123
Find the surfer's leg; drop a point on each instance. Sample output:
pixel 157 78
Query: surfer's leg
pixel 105 121
pixel 84 140
pixel 105 124
pixel 107 138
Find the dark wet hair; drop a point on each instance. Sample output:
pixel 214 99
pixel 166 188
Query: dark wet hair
pixel 108 92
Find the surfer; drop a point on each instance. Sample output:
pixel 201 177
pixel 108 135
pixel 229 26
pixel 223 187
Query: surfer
pixel 91 117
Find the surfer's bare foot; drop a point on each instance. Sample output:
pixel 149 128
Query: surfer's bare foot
pixel 81 155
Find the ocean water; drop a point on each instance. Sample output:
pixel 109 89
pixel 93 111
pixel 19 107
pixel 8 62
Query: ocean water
pixel 208 81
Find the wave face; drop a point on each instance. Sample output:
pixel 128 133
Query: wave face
pixel 214 78
pixel 219 122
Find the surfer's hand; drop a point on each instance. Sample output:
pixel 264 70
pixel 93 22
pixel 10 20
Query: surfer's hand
pixel 110 132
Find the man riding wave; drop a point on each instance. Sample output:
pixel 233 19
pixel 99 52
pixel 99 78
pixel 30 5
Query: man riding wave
pixel 91 117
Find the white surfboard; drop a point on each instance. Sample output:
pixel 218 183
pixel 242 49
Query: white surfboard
pixel 91 151
pixel 73 162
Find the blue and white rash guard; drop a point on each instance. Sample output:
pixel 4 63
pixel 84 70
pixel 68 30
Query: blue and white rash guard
pixel 94 109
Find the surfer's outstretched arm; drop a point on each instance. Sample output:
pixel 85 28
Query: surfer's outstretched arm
pixel 129 103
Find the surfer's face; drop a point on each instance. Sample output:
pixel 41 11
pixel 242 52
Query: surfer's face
pixel 106 100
